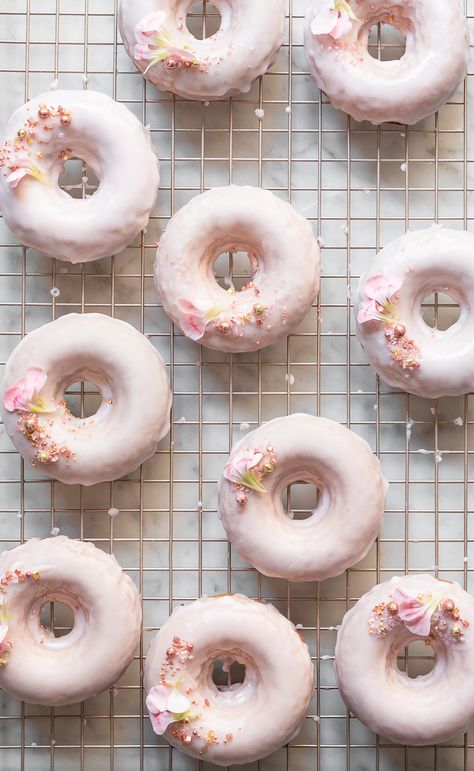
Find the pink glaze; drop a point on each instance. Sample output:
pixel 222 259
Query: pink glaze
pixel 402 348
pixel 285 260
pixel 240 723
pixel 404 91
pixel 344 525
pixel 43 669
pixel 107 136
pixel 428 709
pixel 159 43
pixel 133 415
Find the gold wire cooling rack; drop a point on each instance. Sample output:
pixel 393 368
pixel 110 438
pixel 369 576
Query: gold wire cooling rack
pixel 360 186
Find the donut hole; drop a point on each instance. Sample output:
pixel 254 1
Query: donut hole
pixel 228 675
pixel 233 270
pixel 57 617
pixel 203 20
pixel 386 43
pixel 83 399
pixel 301 500
pixel 78 179
pixel 440 311
pixel 417 659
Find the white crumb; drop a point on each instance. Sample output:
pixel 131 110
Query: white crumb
pixel 260 113
pixel 113 512
pixel 54 531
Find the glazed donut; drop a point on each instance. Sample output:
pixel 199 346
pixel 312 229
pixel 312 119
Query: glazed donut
pixel 284 257
pixel 242 722
pixel 39 138
pixel 158 41
pixel 404 91
pixel 36 666
pixel 402 348
pixel 315 450
pixel 428 709
pixel 133 415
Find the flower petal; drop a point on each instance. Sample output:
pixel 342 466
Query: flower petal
pixel 14 178
pixel 3 630
pixel 178 703
pixel 37 377
pixel 161 721
pixel 342 27
pixel 382 288
pixel 325 18
pixel 150 24
pixel 157 699
pixel 368 312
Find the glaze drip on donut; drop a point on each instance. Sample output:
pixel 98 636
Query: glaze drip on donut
pixel 428 615
pixel 19 159
pixel 379 303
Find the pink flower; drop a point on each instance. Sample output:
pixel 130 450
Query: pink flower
pixel 240 470
pixel 24 394
pixel 193 319
pixel 150 26
pixel 152 39
pixel 14 178
pixel 415 613
pixel 334 18
pixel 26 170
pixel 378 305
pixel 166 705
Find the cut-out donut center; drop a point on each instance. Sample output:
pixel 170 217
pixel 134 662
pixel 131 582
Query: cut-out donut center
pixel 203 20
pixel 386 43
pixel 57 617
pixel 83 399
pixel 440 311
pixel 301 500
pixel 78 179
pixel 417 659
pixel 228 675
pixel 234 270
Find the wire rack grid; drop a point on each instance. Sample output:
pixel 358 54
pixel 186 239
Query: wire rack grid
pixel 360 186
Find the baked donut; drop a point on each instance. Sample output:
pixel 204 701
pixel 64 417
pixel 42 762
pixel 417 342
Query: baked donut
pixel 36 666
pixel 315 450
pixel 402 348
pixel 405 91
pixel 158 41
pixel 133 415
pixel 428 709
pixel 239 723
pixel 283 254
pixel 39 138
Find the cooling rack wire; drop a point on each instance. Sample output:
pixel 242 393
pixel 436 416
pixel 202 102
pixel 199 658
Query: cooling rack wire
pixel 360 187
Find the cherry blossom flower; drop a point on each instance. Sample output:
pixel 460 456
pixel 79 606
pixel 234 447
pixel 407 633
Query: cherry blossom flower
pixel 240 470
pixel 24 395
pixel 415 613
pixel 378 302
pixel 166 705
pixel 334 18
pixel 194 318
pixel 155 44
pixel 22 171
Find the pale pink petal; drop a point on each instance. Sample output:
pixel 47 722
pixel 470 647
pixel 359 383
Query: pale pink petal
pixel 161 721
pixel 178 702
pixel 151 24
pixel 3 631
pixel 368 312
pixel 157 699
pixel 382 288
pixel 14 178
pixel 142 51
pixel 325 18
pixel 18 396
pixel 342 27
pixel 193 327
pixel 415 614
pixel 36 377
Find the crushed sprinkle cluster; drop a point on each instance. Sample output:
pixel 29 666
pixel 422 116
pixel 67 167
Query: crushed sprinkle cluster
pixel 447 625
pixel 232 324
pixel 11 577
pixel 18 153
pixel 46 449
pixel 402 350
pixel 176 656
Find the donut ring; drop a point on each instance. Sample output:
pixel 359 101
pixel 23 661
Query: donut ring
pixel 44 133
pixel 281 291
pixel 402 348
pixel 428 709
pixel 159 43
pixel 316 450
pixel 228 725
pixel 40 668
pixel 133 415
pixel 404 91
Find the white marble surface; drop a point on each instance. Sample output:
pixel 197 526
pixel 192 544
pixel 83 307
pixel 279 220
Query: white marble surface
pixel 360 186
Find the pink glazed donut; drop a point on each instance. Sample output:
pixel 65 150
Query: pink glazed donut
pixel 36 666
pixel 323 453
pixel 404 91
pixel 232 724
pixel 428 709
pixel 402 348
pixel 284 257
pixel 158 41
pixel 133 415
pixel 39 138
